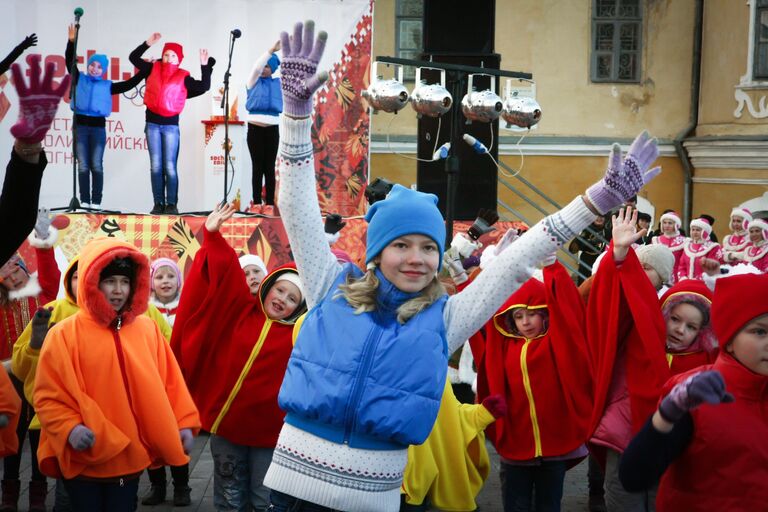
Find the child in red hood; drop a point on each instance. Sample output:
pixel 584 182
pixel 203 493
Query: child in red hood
pixel 690 340
pixel 233 349
pixel 707 439
pixel 534 353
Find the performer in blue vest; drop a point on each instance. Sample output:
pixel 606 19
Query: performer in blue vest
pixel 93 105
pixel 264 104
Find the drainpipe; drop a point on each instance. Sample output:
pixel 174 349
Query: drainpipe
pixel 694 118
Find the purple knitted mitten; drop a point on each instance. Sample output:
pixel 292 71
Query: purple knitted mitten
pixel 300 58
pixel 624 178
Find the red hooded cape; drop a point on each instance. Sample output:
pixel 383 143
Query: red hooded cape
pixel 232 356
pixel 546 380
pixel 623 308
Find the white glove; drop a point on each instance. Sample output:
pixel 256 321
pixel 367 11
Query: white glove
pixel 464 245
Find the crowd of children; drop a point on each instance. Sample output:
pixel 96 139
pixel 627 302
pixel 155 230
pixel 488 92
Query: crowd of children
pixel 323 385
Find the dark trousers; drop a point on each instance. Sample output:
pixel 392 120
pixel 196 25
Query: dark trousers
pixel 93 496
pixel 262 144
pixel 179 474
pixel 12 463
pixel 595 477
pixel 518 484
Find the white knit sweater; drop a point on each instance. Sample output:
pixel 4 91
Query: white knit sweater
pixel 335 475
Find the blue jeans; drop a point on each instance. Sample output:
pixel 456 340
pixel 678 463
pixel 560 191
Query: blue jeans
pixel 89 150
pixel 281 502
pixel 518 483
pixel 163 145
pixel 238 475
pixel 90 496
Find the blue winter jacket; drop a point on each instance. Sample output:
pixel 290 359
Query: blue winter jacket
pixel 94 96
pixel 365 380
pixel 265 97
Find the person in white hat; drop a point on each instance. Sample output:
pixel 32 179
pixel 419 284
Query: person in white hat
pixel 699 255
pixel 738 240
pixel 756 251
pixel 670 235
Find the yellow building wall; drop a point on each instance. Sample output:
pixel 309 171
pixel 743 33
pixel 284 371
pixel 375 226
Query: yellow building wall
pixel 552 39
pixel 724 60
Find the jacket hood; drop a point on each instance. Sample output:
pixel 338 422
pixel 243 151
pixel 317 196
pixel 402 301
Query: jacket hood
pixel 532 295
pixel 96 255
pixel 73 265
pixel 267 283
pixel 692 291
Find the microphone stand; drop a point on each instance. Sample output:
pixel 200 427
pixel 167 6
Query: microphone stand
pixel 74 203
pixel 225 106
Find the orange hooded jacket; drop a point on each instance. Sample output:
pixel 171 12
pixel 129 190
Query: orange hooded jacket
pixel 114 373
pixel 10 405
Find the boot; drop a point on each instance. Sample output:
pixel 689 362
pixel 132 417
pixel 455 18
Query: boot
pixel 170 209
pixel 10 500
pixel 155 495
pixel 181 496
pixel 158 209
pixel 38 490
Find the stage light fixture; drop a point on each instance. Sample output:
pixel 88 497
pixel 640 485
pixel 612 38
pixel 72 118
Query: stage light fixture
pixel 481 106
pixel 431 100
pixel 386 95
pixel 521 111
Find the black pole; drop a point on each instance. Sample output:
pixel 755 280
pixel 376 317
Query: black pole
pixel 454 79
pixel 225 106
pixel 74 204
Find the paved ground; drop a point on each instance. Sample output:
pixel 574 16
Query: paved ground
pixel 201 481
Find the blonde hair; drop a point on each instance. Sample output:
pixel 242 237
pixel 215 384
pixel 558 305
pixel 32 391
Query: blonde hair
pixel 360 293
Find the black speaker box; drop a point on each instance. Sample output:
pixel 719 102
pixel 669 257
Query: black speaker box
pixel 459 26
pixel 477 181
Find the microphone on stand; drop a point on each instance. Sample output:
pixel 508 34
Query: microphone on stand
pixel 78 14
pixel 236 33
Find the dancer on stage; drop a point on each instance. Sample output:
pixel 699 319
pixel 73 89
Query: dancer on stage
pixel 168 87
pixel 93 104
pixel 264 104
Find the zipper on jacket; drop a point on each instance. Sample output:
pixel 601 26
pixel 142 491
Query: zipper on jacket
pixel 357 388
pixel 529 394
pixel 121 362
pixel 243 374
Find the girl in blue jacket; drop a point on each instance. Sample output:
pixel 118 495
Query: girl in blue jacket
pixel 366 376
pixel 93 104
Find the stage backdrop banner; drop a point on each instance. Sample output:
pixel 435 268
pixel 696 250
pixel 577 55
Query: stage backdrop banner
pixel 341 128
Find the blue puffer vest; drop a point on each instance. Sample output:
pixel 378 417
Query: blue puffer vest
pixel 365 380
pixel 265 97
pixel 94 96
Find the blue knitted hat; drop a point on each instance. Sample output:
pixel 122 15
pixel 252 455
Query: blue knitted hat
pixel 404 212
pixel 273 62
pixel 101 59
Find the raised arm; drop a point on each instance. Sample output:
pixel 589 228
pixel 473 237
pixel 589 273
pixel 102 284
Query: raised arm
pixel 200 87
pixel 468 310
pixel 29 41
pixel 258 66
pixel 298 197
pixel 135 56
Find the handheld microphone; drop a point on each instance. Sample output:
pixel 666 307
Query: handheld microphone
pixel 78 13
pixel 442 152
pixel 476 144
pixel 236 33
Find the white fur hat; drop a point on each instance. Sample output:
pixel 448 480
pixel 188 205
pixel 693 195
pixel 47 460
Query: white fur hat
pixel 762 224
pixel 705 226
pixel 744 214
pixel 674 217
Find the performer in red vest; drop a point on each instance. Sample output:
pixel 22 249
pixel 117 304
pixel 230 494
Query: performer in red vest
pixel 167 88
pixel 756 252
pixel 707 438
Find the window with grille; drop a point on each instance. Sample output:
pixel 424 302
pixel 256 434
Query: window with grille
pixel 408 30
pixel 616 40
pixel 760 60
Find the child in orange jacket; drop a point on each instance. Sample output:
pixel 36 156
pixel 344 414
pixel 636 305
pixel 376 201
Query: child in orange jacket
pixel 109 394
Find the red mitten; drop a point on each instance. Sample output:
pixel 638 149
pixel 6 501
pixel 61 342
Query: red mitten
pixel 496 405
pixel 38 102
